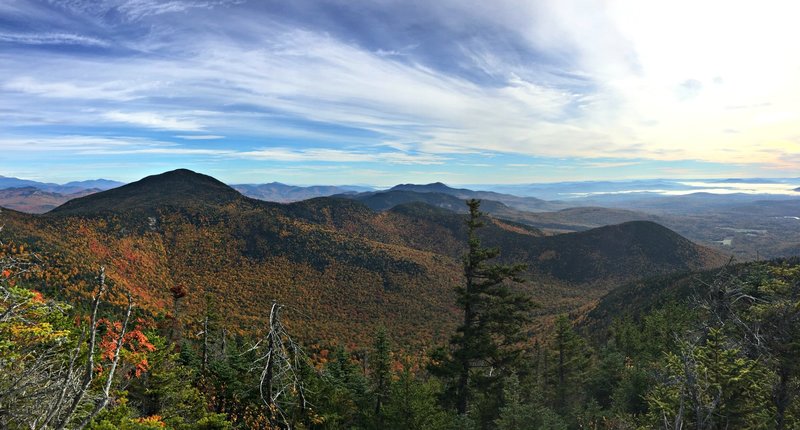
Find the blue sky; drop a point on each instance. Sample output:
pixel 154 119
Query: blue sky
pixel 382 92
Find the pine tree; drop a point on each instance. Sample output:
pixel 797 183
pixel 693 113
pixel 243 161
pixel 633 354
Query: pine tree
pixel 571 360
pixel 711 386
pixel 489 340
pixel 381 374
pixel 515 414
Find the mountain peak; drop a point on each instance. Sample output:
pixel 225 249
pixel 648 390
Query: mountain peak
pixel 181 187
pixel 435 187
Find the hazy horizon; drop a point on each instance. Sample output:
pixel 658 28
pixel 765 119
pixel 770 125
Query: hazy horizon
pixel 573 189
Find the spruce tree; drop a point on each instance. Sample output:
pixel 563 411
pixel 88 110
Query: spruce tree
pixel 490 339
pixel 381 374
pixel 571 360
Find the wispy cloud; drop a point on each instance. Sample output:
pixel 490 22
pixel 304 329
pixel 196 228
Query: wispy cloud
pixel 109 90
pixel 51 39
pixel 339 156
pixel 135 10
pixel 125 145
pixel 79 143
pixel 200 137
pixel 154 120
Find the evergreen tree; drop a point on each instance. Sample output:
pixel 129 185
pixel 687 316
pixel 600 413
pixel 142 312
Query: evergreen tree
pixel 570 358
pixel 412 405
pixel 489 340
pixel 515 414
pixel 381 374
pixel 777 316
pixel 711 386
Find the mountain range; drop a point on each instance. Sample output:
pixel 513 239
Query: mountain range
pixel 68 188
pixel 39 197
pixel 282 193
pixel 349 266
pixel 34 200
pixel 749 226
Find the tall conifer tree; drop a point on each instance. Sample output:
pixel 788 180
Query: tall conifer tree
pixel 490 339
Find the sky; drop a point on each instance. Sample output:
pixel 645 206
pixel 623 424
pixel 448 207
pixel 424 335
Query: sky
pixel 382 92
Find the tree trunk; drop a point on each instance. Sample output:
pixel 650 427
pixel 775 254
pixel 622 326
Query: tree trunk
pixel 782 398
pixel 205 344
pixel 463 378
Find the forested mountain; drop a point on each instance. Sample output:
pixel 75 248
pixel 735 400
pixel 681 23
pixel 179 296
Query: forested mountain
pixel 179 188
pixel 516 202
pixel 385 200
pixel 334 258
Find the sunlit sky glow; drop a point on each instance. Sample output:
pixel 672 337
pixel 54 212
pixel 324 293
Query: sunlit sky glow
pixel 382 92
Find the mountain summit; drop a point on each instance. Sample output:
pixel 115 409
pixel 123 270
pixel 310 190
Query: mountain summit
pixel 179 188
pixel 436 187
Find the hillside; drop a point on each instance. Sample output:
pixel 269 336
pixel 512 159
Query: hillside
pixel 385 200
pixel 619 252
pixel 350 267
pixel 638 298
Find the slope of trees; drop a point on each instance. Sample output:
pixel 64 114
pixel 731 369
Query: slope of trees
pixel 724 359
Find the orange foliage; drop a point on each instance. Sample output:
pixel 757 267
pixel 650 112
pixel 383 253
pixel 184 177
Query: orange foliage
pixel 135 345
pixel 153 420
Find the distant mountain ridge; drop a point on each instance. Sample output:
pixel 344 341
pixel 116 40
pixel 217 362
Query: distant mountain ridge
pixel 34 200
pixel 68 188
pixel 531 204
pixel 282 193
pixel 39 197
pixel 61 193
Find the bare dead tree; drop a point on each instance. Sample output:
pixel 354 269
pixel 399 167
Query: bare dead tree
pixel 46 384
pixel 281 384
pixel 88 374
pixel 106 395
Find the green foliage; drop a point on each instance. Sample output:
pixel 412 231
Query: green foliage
pixel 628 396
pixel 489 342
pixel 517 414
pixel 570 358
pixel 169 390
pixel 414 405
pixel 711 386
pixel 380 376
pixel 342 398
